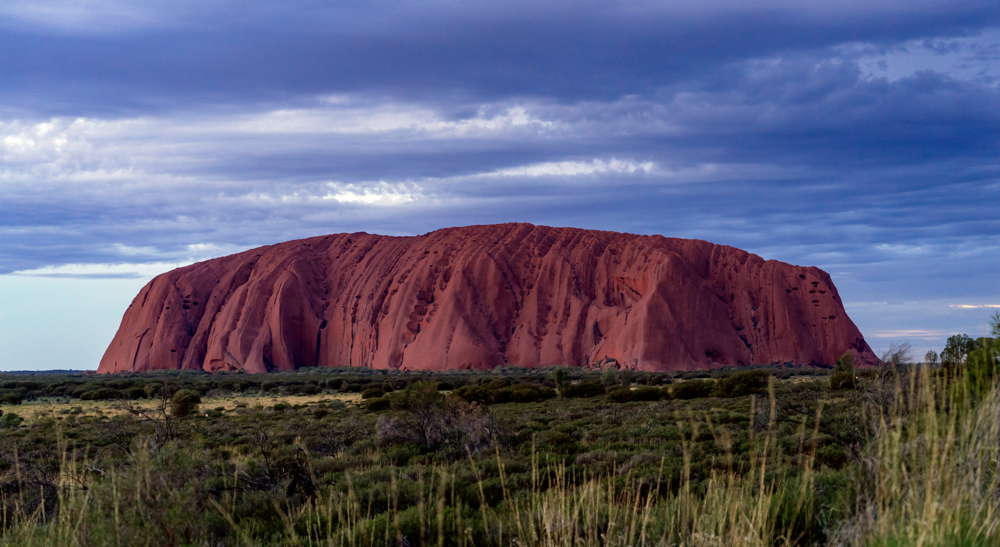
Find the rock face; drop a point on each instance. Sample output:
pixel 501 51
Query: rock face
pixel 481 297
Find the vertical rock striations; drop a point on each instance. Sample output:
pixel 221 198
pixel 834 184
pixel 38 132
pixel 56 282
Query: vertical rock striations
pixel 483 296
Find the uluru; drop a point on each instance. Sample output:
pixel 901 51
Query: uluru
pixel 481 297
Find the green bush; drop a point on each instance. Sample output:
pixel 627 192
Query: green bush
pixel 742 383
pixel 372 393
pixel 843 376
pixel 135 392
pixel 334 383
pixel 523 393
pixel 647 393
pixel 10 421
pixel 641 393
pixel 498 392
pixel 692 389
pixel 99 394
pixel 620 395
pixel 184 402
pixel 376 405
pixel 561 378
pixel 832 456
pixel 842 380
pixel 584 389
pixel 310 389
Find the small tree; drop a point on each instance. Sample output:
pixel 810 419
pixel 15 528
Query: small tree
pixel 609 377
pixel 184 403
pixel 981 366
pixel 561 377
pixel 626 378
pixel 931 358
pixel 956 348
pixel 843 374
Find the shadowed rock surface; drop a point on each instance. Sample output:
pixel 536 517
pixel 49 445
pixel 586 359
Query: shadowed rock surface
pixel 485 296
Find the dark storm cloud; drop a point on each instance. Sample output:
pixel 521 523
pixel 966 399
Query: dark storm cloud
pixel 248 53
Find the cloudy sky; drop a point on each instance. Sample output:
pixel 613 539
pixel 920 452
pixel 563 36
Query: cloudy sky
pixel 861 137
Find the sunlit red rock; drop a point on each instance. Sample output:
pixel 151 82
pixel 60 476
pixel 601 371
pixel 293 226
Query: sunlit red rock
pixel 482 297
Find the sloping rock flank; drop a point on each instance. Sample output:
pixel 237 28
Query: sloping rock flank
pixel 485 296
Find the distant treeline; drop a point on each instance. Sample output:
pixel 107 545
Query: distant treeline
pixel 508 384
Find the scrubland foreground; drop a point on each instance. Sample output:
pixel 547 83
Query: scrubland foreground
pixel 901 455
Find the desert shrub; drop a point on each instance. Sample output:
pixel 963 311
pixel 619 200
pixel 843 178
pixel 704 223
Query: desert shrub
pixel 522 393
pixel 310 389
pixel 626 377
pixel 650 380
pixel 744 382
pixel 184 402
pixel 843 376
pixel 10 421
pixel 377 405
pixel 99 394
pixel 351 387
pixel 498 391
pixel 135 392
pixel 372 393
pixel 445 386
pixel 451 426
pixel 471 393
pixel 334 383
pixel 692 389
pixel 641 393
pixel 584 389
pixel 558 442
pixel 610 377
pixel 842 380
pixel 10 398
pixel 620 395
pixel 152 390
pixel 647 393
pixel 320 413
pixel 120 385
pixel 336 404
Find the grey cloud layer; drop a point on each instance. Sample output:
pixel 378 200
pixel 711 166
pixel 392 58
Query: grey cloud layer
pixel 225 52
pixel 858 138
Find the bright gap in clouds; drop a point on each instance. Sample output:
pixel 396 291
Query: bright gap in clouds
pixel 575 168
pixel 144 270
pixel 382 193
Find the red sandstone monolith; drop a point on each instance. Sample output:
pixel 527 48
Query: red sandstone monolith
pixel 486 296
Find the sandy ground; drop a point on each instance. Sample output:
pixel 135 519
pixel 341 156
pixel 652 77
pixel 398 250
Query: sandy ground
pixel 60 407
